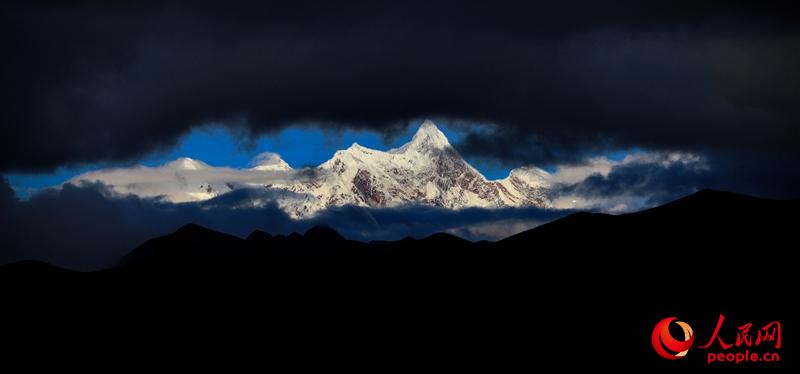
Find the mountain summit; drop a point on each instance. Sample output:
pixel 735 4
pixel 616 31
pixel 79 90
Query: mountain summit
pixel 427 138
pixel 425 171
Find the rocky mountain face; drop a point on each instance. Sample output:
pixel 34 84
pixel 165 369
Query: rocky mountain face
pixel 426 171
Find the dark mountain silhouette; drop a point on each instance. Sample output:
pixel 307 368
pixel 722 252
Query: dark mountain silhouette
pixel 32 269
pixel 709 217
pixel 708 227
pixel 324 234
pixel 259 236
pixel 712 229
pixel 584 290
pixel 189 243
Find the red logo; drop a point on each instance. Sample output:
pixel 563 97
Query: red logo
pixel 666 345
pixel 759 346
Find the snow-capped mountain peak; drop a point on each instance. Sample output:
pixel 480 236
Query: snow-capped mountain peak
pixel 358 148
pixel 427 138
pixel 270 161
pixel 425 171
pixel 186 163
pixel 531 175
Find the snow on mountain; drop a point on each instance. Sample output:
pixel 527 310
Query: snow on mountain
pixel 427 170
pixel 270 161
pixel 186 163
pixel 187 180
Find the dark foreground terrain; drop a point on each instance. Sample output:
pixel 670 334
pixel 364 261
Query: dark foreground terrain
pixel 584 291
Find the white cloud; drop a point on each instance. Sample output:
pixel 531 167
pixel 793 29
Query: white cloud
pixel 570 174
pixel 635 198
pixel 269 161
pixel 667 159
pixel 609 204
pixel 186 179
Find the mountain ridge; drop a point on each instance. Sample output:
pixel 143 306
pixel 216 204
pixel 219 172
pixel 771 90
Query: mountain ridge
pixel 708 218
pixel 427 170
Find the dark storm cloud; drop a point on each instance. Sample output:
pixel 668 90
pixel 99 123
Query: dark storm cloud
pixel 655 182
pixel 93 81
pixel 656 178
pixel 88 227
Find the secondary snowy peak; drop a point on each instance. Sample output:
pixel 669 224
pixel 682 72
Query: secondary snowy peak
pixel 358 148
pixel 269 161
pixel 531 175
pixel 186 163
